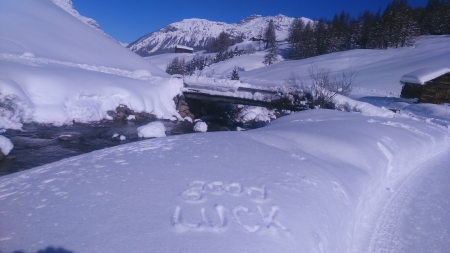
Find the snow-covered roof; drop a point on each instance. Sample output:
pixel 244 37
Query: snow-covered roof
pixel 184 47
pixel 423 75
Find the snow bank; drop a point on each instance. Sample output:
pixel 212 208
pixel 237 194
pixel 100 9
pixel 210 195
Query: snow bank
pixel 5 145
pixel 153 129
pixel 344 103
pixel 75 76
pixel 13 111
pixel 200 127
pixel 314 181
pixel 423 75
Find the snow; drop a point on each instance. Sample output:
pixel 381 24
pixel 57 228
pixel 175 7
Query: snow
pixel 347 104
pixel 184 47
pixel 256 113
pixel 200 127
pixel 5 145
pixel 52 76
pixel 195 32
pixel 212 83
pixel 423 75
pixel 416 218
pixel 68 6
pixel 314 181
pixel 358 179
pixel 153 129
pixel 379 71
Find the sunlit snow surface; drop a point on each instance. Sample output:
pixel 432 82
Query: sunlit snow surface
pixel 314 181
pixel 55 69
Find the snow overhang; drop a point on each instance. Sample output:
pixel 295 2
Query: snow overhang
pixel 421 76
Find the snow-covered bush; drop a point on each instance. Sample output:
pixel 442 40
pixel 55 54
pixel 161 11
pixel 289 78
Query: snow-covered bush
pixel 324 87
pixel 153 129
pixel 5 145
pixel 322 90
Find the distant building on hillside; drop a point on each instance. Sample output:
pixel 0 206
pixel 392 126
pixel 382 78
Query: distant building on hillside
pixel 183 49
pixel 427 85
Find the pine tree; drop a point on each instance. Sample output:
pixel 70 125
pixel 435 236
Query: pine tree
pixel 308 44
pixel 221 43
pixel 321 35
pixel 234 74
pixel 295 39
pixel 271 44
pixel 176 66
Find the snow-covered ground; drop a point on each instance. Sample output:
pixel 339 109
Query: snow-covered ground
pixel 379 71
pixel 314 181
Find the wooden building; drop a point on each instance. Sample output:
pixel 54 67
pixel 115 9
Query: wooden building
pixel 427 85
pixel 183 49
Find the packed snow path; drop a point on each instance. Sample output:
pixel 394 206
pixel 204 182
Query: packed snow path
pixel 417 217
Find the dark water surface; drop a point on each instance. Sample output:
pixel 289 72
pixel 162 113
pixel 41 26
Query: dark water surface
pixel 40 144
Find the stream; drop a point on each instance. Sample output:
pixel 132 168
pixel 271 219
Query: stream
pixel 39 144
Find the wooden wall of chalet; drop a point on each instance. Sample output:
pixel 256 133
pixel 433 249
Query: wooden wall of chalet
pixel 411 90
pixel 182 50
pixel 436 91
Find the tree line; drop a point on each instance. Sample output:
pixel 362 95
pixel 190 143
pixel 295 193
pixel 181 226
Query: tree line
pixel 396 26
pixel 198 63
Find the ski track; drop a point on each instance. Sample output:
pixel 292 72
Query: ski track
pixel 390 232
pixel 102 69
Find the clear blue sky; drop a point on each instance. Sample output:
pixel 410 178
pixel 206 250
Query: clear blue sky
pixel 128 20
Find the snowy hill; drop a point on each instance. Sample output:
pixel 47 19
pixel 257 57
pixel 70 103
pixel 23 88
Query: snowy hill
pixel 68 6
pixel 379 71
pixel 197 33
pixel 55 69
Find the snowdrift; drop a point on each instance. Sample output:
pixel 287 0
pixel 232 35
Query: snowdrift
pixel 310 182
pixel 55 69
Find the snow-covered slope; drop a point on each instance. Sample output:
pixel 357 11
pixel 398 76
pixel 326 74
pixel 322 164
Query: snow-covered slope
pixel 314 181
pixel 67 5
pixel 379 71
pixel 197 33
pixel 55 69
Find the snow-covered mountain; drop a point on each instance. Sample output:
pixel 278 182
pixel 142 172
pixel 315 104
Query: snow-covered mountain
pixel 197 33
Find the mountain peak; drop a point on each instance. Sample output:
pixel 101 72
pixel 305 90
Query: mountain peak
pixel 249 18
pixel 198 33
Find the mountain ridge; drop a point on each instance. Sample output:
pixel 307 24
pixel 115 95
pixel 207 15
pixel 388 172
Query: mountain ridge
pixel 198 33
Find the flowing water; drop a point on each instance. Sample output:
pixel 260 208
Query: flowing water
pixel 39 144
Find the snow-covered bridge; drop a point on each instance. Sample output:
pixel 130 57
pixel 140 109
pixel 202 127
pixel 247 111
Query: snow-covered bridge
pixel 233 91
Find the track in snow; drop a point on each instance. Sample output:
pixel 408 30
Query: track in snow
pixel 102 69
pixel 417 217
